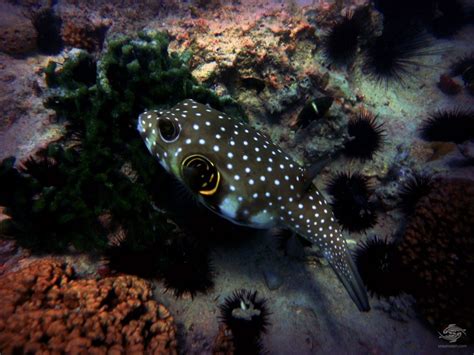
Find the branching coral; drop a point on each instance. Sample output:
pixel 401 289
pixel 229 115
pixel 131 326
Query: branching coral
pixel 40 312
pixel 438 250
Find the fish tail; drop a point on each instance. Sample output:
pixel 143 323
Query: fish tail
pixel 350 278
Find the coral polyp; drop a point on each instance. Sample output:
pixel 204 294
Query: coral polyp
pixel 366 136
pixel 350 200
pixel 452 125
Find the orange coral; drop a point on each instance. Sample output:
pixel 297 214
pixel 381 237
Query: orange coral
pixel 44 309
pixel 438 249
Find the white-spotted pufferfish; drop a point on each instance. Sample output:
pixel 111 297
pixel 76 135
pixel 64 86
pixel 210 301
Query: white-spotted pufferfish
pixel 237 172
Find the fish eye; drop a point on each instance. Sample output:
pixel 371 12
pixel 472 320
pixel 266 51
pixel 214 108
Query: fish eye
pixel 200 174
pixel 169 130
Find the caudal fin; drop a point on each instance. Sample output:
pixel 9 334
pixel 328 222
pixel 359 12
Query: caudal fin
pixel 350 278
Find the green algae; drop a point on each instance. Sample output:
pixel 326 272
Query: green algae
pixel 102 167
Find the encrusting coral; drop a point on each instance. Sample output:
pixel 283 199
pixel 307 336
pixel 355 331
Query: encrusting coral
pixel 438 250
pixel 43 308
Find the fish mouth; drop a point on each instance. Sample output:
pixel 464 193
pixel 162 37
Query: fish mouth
pixel 353 284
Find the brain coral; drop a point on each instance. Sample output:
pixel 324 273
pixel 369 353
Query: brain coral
pixel 438 249
pixel 43 309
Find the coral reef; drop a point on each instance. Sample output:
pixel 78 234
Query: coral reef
pixel 39 313
pixel 438 250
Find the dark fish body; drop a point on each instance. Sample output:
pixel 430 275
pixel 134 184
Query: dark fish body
pixel 238 172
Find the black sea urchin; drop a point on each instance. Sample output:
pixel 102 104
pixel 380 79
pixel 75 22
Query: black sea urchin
pixel 379 264
pixel 341 42
pixel 187 267
pixel 366 136
pixel 393 55
pixel 451 17
pixel 44 168
pixel 125 257
pixel 406 10
pixel 246 315
pixel 464 67
pixel 456 125
pixel 418 186
pixel 350 201
pixel 48 28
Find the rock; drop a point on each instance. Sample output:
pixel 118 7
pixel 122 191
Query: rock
pixel 17 33
pixel 467 150
pixel 398 308
pixel 205 71
pixel 272 279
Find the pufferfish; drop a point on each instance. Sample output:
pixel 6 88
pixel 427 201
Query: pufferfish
pixel 238 173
